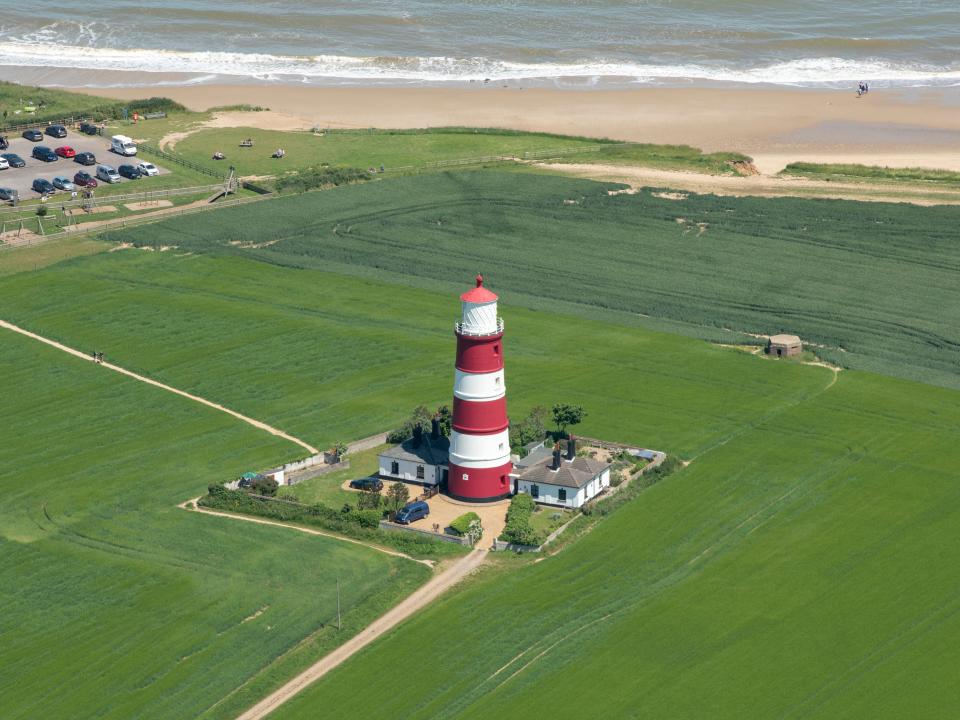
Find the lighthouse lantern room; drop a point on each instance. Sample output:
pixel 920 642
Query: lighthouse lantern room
pixel 479 440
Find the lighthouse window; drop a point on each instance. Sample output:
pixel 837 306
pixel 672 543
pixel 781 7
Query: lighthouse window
pixel 419 472
pixel 394 468
pixel 496 349
pixel 496 380
pixel 501 446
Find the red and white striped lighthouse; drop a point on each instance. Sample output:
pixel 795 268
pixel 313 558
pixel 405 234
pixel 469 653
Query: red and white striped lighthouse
pixel 479 441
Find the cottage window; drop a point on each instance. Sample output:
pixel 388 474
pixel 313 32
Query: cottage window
pixel 394 468
pixel 562 494
pixel 534 491
pixel 419 472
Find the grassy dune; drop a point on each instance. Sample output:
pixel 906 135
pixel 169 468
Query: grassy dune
pixel 876 284
pixel 116 603
pixel 836 171
pixel 803 569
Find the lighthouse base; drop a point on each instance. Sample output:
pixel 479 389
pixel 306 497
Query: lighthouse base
pixel 479 485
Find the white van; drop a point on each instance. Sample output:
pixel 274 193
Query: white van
pixel 122 145
pixel 107 174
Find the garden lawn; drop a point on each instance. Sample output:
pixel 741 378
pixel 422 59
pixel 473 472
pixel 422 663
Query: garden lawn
pixel 327 488
pixel 118 604
pixel 806 568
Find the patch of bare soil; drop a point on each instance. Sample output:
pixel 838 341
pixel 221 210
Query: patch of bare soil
pixel 148 205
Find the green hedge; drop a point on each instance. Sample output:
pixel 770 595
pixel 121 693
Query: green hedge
pixel 518 529
pixel 462 524
pixel 358 524
pixel 322 177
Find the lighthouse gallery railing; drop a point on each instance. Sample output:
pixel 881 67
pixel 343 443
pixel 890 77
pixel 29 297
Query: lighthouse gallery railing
pixel 458 327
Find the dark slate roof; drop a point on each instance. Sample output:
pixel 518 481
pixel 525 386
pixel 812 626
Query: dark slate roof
pixel 536 453
pixel 430 452
pixel 573 474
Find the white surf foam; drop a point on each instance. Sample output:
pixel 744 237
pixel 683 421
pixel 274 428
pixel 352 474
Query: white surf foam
pixel 267 67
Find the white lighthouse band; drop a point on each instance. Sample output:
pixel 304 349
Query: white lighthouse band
pixel 480 451
pixel 479 386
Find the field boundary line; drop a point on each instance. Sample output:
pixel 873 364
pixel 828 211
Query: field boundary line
pixel 129 373
pixel 192 506
pixel 420 598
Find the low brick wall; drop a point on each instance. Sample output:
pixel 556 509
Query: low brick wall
pixel 513 547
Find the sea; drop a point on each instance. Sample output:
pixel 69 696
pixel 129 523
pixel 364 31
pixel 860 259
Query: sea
pixel 592 43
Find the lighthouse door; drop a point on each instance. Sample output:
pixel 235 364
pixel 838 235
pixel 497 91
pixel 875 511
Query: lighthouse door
pixel 443 481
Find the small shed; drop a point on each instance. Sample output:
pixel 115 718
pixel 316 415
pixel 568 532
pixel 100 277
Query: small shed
pixel 784 345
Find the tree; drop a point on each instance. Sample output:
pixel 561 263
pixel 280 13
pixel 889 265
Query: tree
pixel 565 415
pixel 397 496
pixel 264 486
pixel 340 450
pixel 369 499
pixel 422 417
pixel 446 419
pixel 532 427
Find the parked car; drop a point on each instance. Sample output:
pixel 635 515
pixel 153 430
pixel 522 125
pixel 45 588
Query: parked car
pixel 4 164
pixel 148 168
pixel 33 135
pixel 85 158
pixel 367 483
pixel 15 160
pixel 123 145
pixel 89 128
pixel 9 195
pixel 411 512
pixel 85 179
pixel 63 183
pixel 43 186
pixel 107 174
pixel 57 131
pixel 42 152
pixel 129 171
pixel 65 151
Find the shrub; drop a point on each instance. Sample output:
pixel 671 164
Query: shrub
pixel 322 177
pixel 264 486
pixel 518 528
pixel 462 524
pixel 42 210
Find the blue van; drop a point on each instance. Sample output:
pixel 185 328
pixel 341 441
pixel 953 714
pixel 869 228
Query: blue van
pixel 411 512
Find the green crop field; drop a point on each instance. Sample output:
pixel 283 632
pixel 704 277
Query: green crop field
pixel 807 568
pixel 117 604
pixel 875 284
pixel 330 357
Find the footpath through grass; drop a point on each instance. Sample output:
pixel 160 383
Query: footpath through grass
pixel 878 285
pixel 116 603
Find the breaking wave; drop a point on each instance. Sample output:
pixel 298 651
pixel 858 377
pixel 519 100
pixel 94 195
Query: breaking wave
pixel 825 71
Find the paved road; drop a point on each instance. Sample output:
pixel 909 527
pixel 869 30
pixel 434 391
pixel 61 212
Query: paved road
pixel 123 371
pixel 416 601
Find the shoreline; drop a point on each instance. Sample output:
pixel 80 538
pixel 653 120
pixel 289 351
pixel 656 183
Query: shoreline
pixel 774 125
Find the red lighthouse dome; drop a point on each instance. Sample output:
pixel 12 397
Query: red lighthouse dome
pixel 479 441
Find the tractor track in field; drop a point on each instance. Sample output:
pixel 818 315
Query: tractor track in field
pixel 196 398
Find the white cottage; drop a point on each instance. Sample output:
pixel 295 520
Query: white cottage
pixel 422 459
pixel 551 479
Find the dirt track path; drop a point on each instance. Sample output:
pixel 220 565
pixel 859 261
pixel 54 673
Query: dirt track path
pixel 192 505
pixel 386 622
pixel 123 371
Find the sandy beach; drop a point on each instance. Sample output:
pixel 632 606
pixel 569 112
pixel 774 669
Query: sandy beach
pixel 773 125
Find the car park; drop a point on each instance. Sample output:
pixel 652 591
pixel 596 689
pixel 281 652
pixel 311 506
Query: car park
pixel 33 135
pixel 4 164
pixel 129 171
pixel 65 151
pixel 9 195
pixel 148 168
pixel 43 186
pixel 85 179
pixel 85 158
pixel 63 183
pixel 15 160
pixel 57 131
pixel 367 483
pixel 89 129
pixel 411 512
pixel 42 152
pixel 107 173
